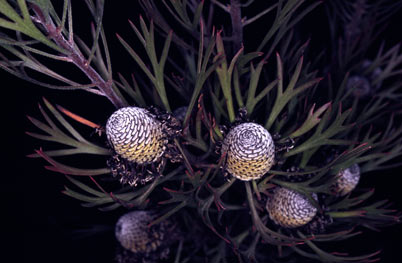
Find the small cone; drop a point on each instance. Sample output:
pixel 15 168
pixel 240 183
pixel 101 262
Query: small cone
pixel 347 180
pixel 133 233
pixel 250 151
pixel 136 135
pixel 290 209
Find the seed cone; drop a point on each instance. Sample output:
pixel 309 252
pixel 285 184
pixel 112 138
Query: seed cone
pixel 290 209
pixel 136 135
pixel 347 180
pixel 133 233
pixel 250 151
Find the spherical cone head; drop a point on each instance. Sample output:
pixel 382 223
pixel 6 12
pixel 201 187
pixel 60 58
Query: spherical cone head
pixel 133 233
pixel 347 180
pixel 136 135
pixel 290 209
pixel 250 151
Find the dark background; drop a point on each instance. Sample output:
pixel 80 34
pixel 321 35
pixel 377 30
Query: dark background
pixel 41 223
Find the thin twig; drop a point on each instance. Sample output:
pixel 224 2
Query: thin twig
pixel 237 25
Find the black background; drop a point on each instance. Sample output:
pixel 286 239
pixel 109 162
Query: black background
pixel 41 222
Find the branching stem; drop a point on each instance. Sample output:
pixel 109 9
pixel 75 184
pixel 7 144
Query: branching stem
pixel 77 58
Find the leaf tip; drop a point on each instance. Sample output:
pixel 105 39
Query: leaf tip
pixel 31 155
pixel 46 101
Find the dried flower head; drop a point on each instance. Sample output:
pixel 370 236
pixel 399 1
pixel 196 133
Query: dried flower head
pixel 290 209
pixel 136 135
pixel 249 150
pixel 346 180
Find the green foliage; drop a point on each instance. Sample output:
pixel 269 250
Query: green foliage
pixel 218 77
pixel 24 24
pixel 148 41
pixel 55 134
